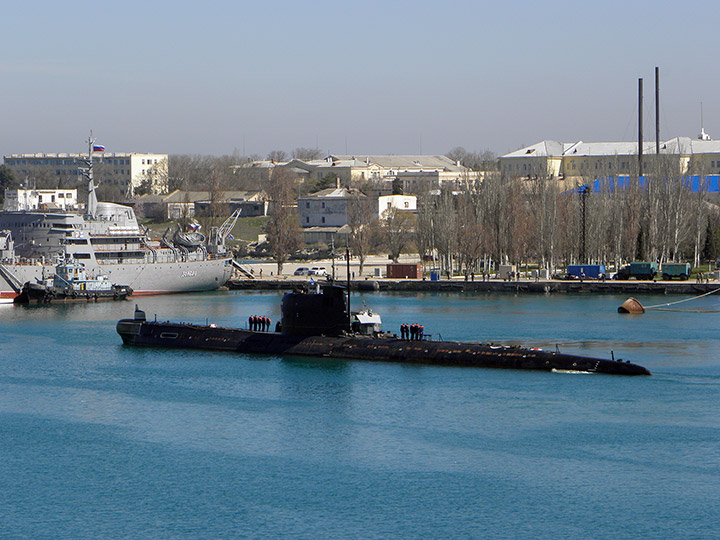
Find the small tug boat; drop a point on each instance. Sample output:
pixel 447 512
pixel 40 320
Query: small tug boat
pixel 71 283
pixel 319 323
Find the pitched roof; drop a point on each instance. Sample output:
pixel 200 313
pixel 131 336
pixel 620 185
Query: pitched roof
pixel 676 145
pixel 179 196
pixel 337 193
pixel 410 161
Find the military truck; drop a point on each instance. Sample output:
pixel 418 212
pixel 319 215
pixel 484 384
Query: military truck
pixel 638 270
pixel 675 270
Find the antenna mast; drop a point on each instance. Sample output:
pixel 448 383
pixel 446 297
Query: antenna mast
pixel 87 170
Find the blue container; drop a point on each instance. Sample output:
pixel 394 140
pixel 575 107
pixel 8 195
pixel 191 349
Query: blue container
pixel 590 271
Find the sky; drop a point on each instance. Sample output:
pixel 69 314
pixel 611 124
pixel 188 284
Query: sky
pixel 372 77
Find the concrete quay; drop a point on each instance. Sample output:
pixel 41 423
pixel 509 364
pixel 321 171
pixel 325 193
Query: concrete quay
pixel 630 287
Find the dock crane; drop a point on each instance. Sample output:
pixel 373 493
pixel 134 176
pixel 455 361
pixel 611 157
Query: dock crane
pixel 216 243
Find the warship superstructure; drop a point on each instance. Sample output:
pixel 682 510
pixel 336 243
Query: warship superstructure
pixel 107 239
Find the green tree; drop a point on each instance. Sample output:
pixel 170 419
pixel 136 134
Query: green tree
pixel 7 180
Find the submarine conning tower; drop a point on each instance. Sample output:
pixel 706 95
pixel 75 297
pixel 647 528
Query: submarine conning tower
pixel 316 313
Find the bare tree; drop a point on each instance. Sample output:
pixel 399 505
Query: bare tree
pixel 277 155
pixel 282 228
pixel 360 217
pixel 424 227
pixel 396 227
pixel 470 234
pixel 699 209
pixel 445 229
pixel 307 154
pixel 483 161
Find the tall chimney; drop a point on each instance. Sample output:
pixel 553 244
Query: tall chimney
pixel 657 110
pixel 640 127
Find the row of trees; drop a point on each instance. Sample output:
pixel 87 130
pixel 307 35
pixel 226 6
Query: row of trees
pixel 538 221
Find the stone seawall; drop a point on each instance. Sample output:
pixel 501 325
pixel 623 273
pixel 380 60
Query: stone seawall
pixel 522 286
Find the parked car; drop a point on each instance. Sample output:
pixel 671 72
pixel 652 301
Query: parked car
pixel 302 271
pixel 318 271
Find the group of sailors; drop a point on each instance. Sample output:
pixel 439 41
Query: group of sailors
pixel 413 332
pixel 259 323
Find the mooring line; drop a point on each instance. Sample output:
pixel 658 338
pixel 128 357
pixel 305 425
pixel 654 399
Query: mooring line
pixel 658 307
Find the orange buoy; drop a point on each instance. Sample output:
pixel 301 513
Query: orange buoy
pixel 631 305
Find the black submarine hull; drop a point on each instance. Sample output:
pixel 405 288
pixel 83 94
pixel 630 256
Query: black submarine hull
pixel 140 333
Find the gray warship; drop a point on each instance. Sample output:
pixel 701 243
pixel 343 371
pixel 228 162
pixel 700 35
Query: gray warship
pixel 107 239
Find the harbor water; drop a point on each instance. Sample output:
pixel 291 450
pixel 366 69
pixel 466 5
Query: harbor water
pixel 105 441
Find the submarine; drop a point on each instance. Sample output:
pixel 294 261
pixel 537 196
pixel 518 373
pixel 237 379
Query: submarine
pixel 318 323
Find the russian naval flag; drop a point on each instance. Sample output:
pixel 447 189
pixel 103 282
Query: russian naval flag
pixel 98 148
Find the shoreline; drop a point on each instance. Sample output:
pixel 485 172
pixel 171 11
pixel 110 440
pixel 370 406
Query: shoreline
pixel 494 285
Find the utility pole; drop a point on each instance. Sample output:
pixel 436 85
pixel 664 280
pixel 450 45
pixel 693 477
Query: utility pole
pixel 583 202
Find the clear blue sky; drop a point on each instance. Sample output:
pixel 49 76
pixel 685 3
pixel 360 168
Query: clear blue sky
pixel 394 77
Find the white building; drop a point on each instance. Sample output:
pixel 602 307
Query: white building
pixel 36 199
pixel 125 170
pixel 580 160
pixel 401 202
pixel 328 208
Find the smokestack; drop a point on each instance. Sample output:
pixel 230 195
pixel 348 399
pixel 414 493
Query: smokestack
pixel 640 127
pixel 657 110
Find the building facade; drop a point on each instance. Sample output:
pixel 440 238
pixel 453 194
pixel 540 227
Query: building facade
pixel 577 162
pixel 416 171
pixel 37 199
pixel 126 170
pixel 329 207
pixel 406 203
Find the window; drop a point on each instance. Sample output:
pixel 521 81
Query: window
pixel 407 204
pixel 307 205
pixel 323 205
pixel 307 220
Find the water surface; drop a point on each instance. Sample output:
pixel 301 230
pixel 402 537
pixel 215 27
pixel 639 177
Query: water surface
pixel 105 441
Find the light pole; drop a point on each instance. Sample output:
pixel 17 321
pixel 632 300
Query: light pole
pixel 583 190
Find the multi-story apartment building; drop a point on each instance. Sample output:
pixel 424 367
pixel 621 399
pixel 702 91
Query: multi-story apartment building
pixel 125 170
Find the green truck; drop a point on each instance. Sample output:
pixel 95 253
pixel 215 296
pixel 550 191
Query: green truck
pixel 675 270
